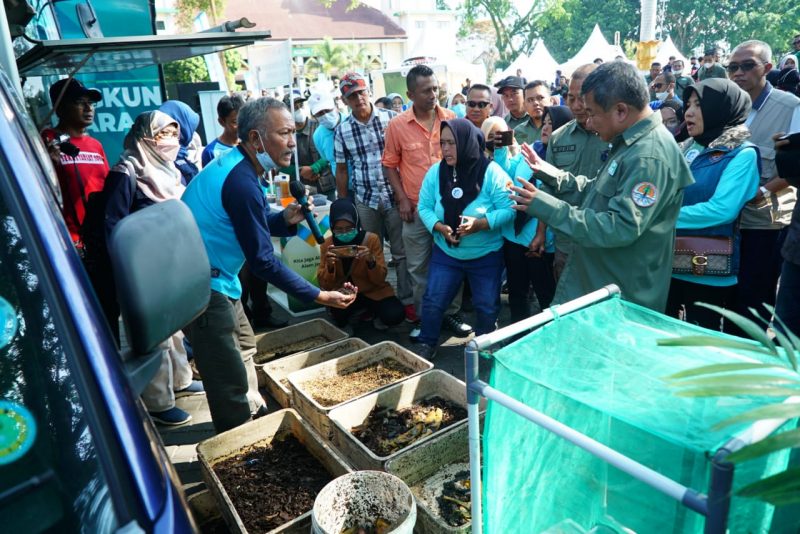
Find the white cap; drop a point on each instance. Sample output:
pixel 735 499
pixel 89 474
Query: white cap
pixel 319 101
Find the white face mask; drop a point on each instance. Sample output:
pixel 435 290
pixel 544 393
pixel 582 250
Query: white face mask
pixel 678 72
pixel 708 64
pixel 329 120
pixel 299 116
pixel 167 148
pixel 662 95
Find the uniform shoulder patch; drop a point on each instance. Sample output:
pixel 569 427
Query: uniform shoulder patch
pixel 644 194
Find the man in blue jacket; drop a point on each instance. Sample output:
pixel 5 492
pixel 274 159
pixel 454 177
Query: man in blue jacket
pixel 229 204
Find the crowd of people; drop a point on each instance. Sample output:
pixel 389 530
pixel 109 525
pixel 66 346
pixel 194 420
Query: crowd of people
pixel 667 185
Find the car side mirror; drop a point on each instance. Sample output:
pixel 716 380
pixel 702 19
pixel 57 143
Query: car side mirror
pixel 163 281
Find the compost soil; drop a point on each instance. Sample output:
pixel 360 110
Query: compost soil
pixel 339 388
pixel 454 503
pixel 272 485
pixel 285 350
pixel 386 431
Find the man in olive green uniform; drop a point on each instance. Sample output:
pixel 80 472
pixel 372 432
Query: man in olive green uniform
pixel 510 90
pixel 624 230
pixel 578 151
pixel 537 97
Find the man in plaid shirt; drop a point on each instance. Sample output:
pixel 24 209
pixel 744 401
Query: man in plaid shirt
pixel 359 142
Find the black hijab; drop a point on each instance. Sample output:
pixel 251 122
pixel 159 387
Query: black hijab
pixel 559 115
pixel 723 104
pixel 344 209
pixel 468 173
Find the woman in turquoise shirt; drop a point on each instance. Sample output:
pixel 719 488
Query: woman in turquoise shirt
pixel 725 168
pixel 464 204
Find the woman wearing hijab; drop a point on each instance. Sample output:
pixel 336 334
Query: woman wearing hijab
pixel 145 175
pixel 364 266
pixel 397 102
pixel 187 121
pixel 788 77
pixel 464 204
pixel 529 249
pixel 490 128
pixel 725 167
pixel 458 104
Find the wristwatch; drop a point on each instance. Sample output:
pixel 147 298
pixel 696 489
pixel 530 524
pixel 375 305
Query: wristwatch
pixel 764 191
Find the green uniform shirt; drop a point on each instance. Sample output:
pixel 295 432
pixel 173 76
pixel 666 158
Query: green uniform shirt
pixel 527 132
pixel 513 122
pixel 681 83
pixel 576 151
pixel 716 71
pixel 624 230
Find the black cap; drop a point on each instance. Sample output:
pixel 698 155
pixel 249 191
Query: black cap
pixel 510 81
pixel 75 90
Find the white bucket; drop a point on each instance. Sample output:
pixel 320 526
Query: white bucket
pixel 362 497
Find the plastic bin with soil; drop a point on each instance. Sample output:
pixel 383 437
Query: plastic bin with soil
pixel 438 475
pixel 277 371
pixel 321 388
pixel 291 340
pixel 372 430
pixel 266 474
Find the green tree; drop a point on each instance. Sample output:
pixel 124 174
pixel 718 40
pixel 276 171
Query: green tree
pixel 357 57
pixel 328 58
pixel 189 9
pixel 695 23
pixel 189 70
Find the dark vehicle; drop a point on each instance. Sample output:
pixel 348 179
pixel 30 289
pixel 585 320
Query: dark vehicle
pixel 77 450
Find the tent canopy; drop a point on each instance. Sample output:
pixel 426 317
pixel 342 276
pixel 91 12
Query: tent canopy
pixel 538 65
pixel 668 49
pixel 595 47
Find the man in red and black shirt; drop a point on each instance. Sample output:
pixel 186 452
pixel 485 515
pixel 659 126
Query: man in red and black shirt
pixel 85 173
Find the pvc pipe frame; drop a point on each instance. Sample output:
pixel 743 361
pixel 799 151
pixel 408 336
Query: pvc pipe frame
pixel 722 472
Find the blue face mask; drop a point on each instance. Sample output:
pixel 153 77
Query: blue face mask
pixel 263 157
pixel 460 110
pixel 329 120
pixel 347 237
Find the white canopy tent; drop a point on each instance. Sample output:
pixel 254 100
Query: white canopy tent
pixel 668 49
pixel 595 47
pixel 538 65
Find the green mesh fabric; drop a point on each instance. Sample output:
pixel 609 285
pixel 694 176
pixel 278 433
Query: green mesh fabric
pixel 600 372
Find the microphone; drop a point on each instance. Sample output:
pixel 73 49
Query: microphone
pixel 298 191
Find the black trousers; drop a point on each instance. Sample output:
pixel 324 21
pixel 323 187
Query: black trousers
pixel 389 310
pixel 759 271
pixel 521 273
pixel 682 298
pixel 254 295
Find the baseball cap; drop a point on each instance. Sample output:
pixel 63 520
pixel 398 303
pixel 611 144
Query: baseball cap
pixel 510 81
pixel 75 89
pixel 352 82
pixel 297 96
pixel 319 101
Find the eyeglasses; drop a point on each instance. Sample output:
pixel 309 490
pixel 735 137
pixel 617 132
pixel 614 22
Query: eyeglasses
pixel 163 134
pixel 479 105
pixel 746 66
pixel 83 103
pixel 658 85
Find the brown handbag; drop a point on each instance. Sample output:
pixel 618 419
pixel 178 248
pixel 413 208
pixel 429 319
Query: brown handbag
pixel 703 256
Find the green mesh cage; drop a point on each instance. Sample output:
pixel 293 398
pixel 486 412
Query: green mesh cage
pixel 599 371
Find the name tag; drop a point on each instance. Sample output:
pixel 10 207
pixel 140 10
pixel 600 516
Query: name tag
pixel 566 148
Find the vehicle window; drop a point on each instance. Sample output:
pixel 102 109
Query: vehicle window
pixel 50 476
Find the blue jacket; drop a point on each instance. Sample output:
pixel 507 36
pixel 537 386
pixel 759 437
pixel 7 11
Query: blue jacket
pixel 725 180
pixel 231 210
pixel 520 170
pixel 492 203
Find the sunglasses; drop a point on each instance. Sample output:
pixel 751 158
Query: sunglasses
pixel 658 85
pixel 479 105
pixel 747 66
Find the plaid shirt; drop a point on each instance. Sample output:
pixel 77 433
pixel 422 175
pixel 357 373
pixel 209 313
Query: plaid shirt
pixel 361 145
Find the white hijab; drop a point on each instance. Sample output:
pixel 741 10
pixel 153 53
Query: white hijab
pixel 157 178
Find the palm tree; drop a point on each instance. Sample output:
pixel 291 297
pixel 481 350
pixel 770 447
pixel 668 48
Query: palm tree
pixel 357 58
pixel 779 377
pixel 328 57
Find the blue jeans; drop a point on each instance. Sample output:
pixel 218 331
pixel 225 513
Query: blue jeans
pixel 787 306
pixel 445 276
